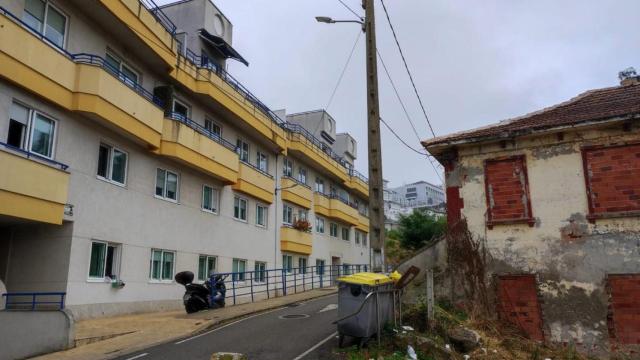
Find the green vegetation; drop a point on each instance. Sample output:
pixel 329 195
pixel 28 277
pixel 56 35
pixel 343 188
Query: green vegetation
pixel 418 229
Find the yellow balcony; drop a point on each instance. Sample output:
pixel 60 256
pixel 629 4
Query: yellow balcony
pixel 306 148
pixel 256 183
pixel 295 241
pixel 296 193
pixel 32 189
pixel 232 99
pixel 363 223
pixel 154 31
pixel 184 141
pixel 335 209
pixel 77 84
pixel 358 185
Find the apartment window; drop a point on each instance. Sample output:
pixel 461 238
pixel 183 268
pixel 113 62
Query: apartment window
pixel 287 263
pixel 210 198
pixel 262 161
pixel 104 260
pixel 46 19
pixel 319 186
pixel 162 265
pixel 319 267
pixel 260 274
pixel 302 265
pixel 239 268
pixel 345 233
pixel 287 169
pixel 166 184
pixel 206 265
pixel 287 215
pixel 32 131
pixel 213 127
pixel 319 225
pixel 333 229
pixel 507 191
pixel 364 239
pixel 243 150
pixel 125 72
pixel 261 215
pixel 240 208
pixel 303 214
pixel 357 235
pixel 180 108
pixel 112 164
pixel 302 175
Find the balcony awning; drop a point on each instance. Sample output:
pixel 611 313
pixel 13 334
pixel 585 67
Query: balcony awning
pixel 222 46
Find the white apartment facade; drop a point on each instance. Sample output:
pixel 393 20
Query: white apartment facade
pixel 127 157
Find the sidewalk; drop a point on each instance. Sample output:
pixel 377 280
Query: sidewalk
pixel 108 338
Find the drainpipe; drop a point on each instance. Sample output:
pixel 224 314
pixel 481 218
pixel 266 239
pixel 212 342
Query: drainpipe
pixel 275 218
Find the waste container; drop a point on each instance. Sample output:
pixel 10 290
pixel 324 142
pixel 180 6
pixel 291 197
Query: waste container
pixel 357 301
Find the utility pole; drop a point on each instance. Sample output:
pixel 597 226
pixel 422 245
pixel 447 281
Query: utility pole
pixel 376 200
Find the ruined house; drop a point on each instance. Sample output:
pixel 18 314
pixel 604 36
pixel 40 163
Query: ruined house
pixel 555 197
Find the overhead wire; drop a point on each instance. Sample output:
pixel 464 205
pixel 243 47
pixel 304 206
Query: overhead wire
pixel 350 9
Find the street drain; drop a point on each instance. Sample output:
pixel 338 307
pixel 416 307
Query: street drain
pixel 294 316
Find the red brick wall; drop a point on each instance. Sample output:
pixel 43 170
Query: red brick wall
pixel 518 304
pixel 613 179
pixel 507 190
pixel 624 308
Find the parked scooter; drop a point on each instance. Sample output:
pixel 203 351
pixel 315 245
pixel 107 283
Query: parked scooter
pixel 200 297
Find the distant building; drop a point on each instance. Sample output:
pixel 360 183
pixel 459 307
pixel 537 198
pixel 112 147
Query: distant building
pixel 428 198
pixel 420 193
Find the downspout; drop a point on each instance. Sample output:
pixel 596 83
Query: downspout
pixel 275 218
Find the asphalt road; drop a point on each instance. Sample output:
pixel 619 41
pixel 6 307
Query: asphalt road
pixel 262 336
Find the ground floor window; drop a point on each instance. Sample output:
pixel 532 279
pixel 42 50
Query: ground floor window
pixel 260 272
pixel 287 263
pixel 162 265
pixel 302 265
pixel 206 264
pixel 239 268
pixel 104 260
pixel 319 267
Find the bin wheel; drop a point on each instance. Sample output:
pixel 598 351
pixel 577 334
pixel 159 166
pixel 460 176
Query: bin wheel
pixel 340 340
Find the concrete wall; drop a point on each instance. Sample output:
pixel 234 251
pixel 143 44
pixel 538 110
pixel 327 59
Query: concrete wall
pixel 570 256
pixel 47 331
pixel 316 122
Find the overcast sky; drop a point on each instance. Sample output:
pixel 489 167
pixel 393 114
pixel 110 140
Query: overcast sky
pixel 474 62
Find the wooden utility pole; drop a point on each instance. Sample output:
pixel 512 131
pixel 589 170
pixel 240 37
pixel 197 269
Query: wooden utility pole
pixel 376 200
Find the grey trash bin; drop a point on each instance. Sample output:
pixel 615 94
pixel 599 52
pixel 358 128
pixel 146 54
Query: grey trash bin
pixel 352 293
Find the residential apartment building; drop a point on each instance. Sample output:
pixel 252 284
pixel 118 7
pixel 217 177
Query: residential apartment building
pixel 419 193
pixel 130 153
pixel 555 197
pixel 422 197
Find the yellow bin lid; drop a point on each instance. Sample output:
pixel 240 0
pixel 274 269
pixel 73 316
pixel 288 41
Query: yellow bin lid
pixel 366 278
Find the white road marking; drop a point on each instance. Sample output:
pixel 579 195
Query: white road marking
pixel 224 326
pixel 138 356
pixel 328 308
pixel 316 346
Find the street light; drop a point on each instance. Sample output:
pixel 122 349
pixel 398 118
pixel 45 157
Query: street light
pixel 328 20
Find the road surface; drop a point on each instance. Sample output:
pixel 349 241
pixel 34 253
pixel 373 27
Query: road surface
pixel 309 335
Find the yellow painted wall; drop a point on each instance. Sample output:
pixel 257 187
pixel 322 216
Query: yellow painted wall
pixel 254 183
pixel 343 212
pixel 299 195
pixel 292 240
pixel 358 186
pixel 303 147
pixel 363 223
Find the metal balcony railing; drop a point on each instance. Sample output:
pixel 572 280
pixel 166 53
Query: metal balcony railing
pixel 34 300
pixel 256 168
pixel 300 183
pixel 200 129
pixel 160 16
pixel 29 154
pixel 357 174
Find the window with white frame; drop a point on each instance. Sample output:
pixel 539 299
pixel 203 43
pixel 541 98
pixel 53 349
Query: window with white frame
pixel 180 108
pixel 319 225
pixel 303 214
pixel 104 261
pixel 302 175
pixel 357 235
pixel 287 215
pixel 239 269
pixel 345 233
pixel 243 150
pixel 166 185
pixel 210 198
pixel 262 161
pixel 261 215
pixel 287 169
pixel 31 130
pixel 302 265
pixel 333 229
pixel 260 274
pixel 112 164
pixel 320 267
pixel 206 265
pixel 45 18
pixel 121 69
pixel 213 127
pixel 287 263
pixel 240 208
pixel 364 239
pixel 319 185
pixel 162 265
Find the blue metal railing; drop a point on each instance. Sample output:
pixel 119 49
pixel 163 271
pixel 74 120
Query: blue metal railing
pixel 201 129
pixel 257 169
pixel 300 183
pixel 338 197
pixel 33 300
pixel 298 129
pixel 357 174
pixel 160 16
pixel 30 154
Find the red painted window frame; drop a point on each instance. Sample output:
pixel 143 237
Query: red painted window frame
pixel 490 221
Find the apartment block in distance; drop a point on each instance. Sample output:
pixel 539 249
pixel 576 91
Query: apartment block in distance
pixel 130 153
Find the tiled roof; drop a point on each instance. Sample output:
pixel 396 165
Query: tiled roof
pixel 593 105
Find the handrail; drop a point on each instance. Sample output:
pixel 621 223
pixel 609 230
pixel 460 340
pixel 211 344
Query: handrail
pixel 199 128
pixel 34 299
pixel 342 200
pixel 162 18
pixel 257 169
pixel 357 174
pixel 300 183
pixel 30 154
pixel 298 129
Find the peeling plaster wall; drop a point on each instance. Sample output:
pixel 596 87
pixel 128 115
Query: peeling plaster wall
pixel 570 255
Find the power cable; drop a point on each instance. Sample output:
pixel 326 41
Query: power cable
pixel 401 140
pixel 350 9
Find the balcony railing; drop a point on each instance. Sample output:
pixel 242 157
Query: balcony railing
pixel 33 300
pixel 201 129
pixel 257 169
pixel 29 154
pixel 162 18
pixel 90 59
pixel 298 182
pixel 355 173
pixel 298 129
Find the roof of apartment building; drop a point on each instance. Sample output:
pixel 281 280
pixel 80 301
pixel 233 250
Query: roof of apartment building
pixel 592 106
